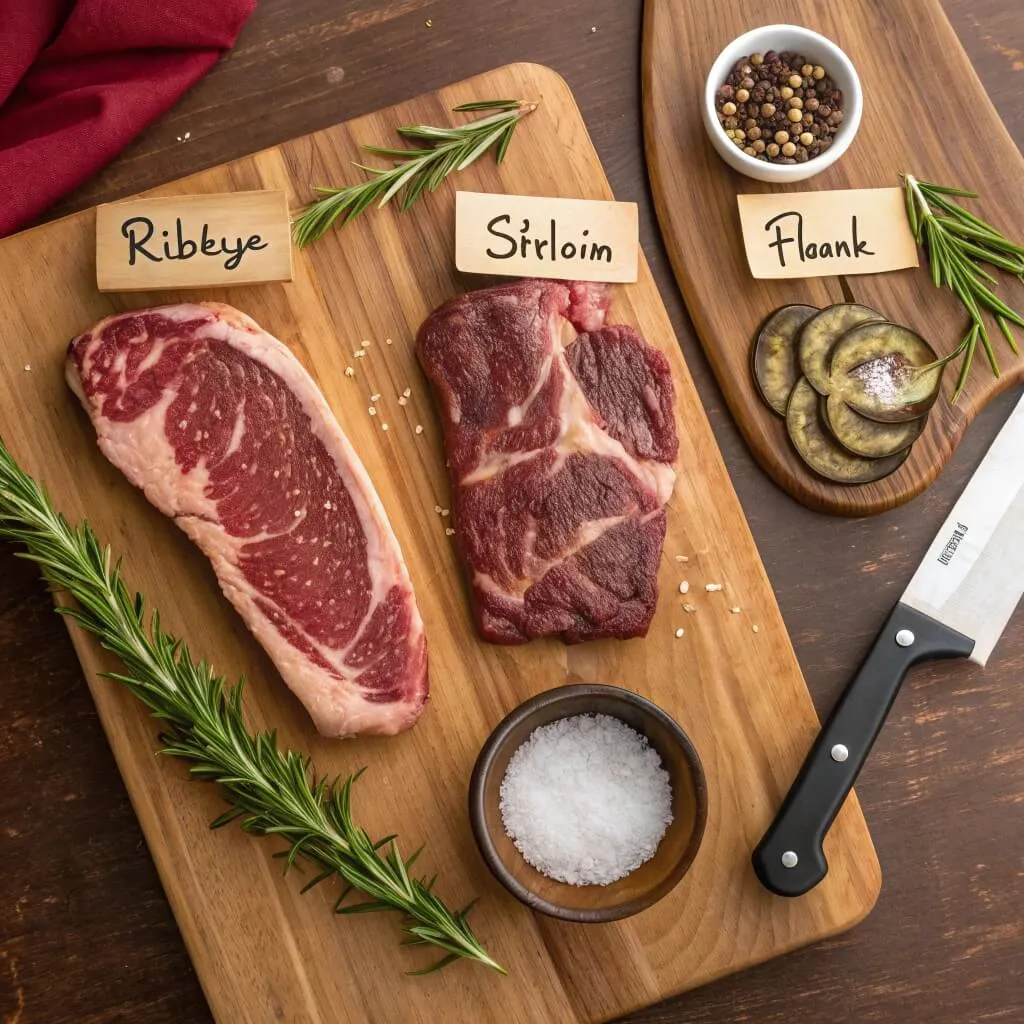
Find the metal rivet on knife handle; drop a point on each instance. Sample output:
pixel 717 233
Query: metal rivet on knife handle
pixel 905 637
pixel 840 752
pixel 789 859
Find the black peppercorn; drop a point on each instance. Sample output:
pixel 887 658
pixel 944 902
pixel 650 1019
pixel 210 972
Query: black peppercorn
pixel 778 107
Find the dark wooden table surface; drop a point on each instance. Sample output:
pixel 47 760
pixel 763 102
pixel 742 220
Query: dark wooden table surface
pixel 85 932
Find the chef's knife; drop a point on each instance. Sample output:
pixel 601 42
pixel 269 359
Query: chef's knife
pixel 956 605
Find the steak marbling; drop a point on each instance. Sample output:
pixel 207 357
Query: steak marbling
pixel 560 438
pixel 225 432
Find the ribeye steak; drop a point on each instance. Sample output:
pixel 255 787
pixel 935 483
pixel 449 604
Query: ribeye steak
pixel 560 438
pixel 225 432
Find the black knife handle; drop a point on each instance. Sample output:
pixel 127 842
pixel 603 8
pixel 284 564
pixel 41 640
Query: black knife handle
pixel 790 860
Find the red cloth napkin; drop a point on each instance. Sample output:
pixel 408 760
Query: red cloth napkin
pixel 80 78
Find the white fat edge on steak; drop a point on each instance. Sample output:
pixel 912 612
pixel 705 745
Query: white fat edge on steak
pixel 152 467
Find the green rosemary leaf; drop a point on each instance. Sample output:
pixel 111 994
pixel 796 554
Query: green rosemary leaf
pixel 1008 334
pixel 443 962
pixel 416 170
pixel 946 190
pixel 957 243
pixel 487 105
pixel 269 791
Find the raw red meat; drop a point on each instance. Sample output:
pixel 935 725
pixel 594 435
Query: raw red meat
pixel 560 438
pixel 225 432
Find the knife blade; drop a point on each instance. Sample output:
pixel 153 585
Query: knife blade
pixel 957 604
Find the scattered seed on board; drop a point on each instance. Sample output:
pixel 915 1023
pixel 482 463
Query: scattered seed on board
pixel 349 371
pixel 756 628
pixel 712 587
pixel 735 610
pixel 679 632
pixel 419 428
pixel 684 587
pixel 689 608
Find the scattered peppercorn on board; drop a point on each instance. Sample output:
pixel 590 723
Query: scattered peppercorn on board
pixel 960 142
pixel 717 657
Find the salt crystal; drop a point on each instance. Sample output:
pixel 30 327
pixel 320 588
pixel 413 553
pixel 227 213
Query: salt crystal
pixel 365 343
pixel 586 800
pixel 712 587
pixel 384 426
pixel 349 372
pixel 445 513
pixel 680 632
pixel 884 376
pixel 684 587
pixel 735 610
pixel 756 629
pixel 372 411
pixel 359 353
pixel 419 428
pixel 28 367
pixel 682 558
pixel 375 398
pixel 387 341
pixel 448 532
pixel 407 392
pixel 437 509
pixel 402 400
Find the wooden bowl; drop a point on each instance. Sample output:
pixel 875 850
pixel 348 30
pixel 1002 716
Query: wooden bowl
pixel 649 882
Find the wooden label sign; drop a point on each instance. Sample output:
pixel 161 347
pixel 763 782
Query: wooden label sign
pixel 193 241
pixel 821 234
pixel 532 236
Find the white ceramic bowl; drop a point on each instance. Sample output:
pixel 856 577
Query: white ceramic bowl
pixel 818 50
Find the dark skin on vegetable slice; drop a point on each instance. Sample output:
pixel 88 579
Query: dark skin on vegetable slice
pixel 885 372
pixel 821 451
pixel 861 436
pixel 774 360
pixel 821 333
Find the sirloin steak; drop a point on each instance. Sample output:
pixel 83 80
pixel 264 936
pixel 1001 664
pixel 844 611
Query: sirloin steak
pixel 560 437
pixel 226 433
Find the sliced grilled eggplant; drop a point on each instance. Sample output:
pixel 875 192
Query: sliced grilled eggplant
pixel 885 372
pixel 774 359
pixel 821 333
pixel 869 438
pixel 821 451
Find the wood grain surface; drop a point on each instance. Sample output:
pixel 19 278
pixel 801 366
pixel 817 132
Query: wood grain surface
pixel 86 934
pixel 937 124
pixel 263 951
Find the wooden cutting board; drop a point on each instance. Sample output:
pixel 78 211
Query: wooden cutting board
pixel 263 953
pixel 925 112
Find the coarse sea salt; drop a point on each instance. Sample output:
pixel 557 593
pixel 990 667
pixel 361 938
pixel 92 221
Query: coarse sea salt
pixel 586 800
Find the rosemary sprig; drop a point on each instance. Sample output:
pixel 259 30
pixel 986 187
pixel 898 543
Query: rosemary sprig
pixel 957 242
pixel 443 151
pixel 270 791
